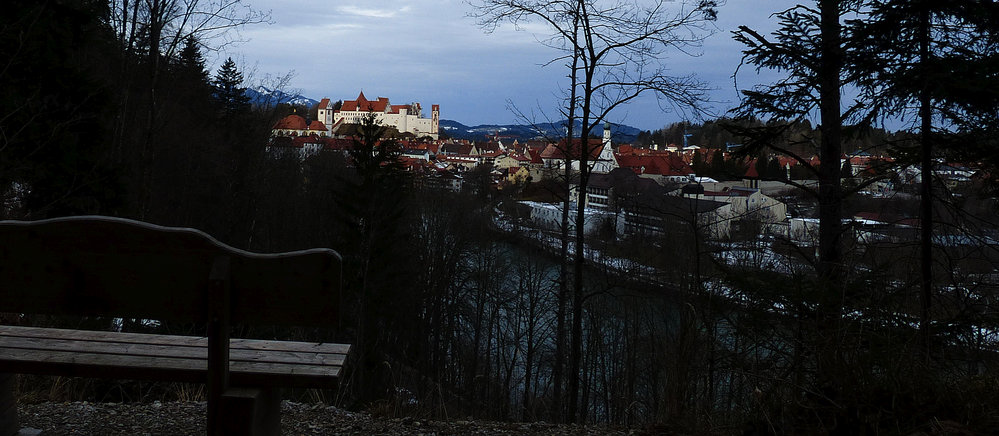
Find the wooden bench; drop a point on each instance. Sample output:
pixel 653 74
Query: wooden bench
pixel 124 269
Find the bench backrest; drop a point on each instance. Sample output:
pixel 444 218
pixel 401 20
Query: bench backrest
pixel 103 266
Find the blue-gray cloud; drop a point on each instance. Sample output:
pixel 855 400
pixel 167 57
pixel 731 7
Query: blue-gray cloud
pixel 431 51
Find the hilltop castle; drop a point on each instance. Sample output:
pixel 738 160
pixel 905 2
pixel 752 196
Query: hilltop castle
pixel 403 117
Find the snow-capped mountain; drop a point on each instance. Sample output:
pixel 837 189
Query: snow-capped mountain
pixel 263 96
pixel 619 132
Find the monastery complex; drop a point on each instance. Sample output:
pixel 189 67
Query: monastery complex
pixel 406 118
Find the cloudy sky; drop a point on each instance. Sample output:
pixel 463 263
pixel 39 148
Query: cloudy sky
pixel 430 51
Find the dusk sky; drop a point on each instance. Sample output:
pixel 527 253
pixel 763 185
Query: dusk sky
pixel 431 52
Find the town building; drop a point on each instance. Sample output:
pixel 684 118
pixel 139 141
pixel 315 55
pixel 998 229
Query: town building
pixel 294 125
pixel 599 152
pixel 644 207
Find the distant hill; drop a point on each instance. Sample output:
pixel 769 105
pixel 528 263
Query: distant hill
pixel 263 96
pixel 620 133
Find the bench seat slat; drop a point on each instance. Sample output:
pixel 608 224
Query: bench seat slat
pixel 48 351
pixel 143 338
pixel 186 352
pixel 47 362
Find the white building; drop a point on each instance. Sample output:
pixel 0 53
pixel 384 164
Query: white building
pixel 404 118
pixel 549 216
pixel 748 203
pixel 600 153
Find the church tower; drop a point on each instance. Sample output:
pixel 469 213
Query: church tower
pixel 435 118
pixel 606 161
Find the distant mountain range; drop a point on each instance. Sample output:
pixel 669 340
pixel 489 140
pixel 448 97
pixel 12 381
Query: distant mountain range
pixel 620 133
pixel 263 96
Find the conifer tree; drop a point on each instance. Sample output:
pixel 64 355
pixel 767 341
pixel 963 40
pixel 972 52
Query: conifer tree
pixel 229 89
pixel 811 46
pixel 371 202
pixel 190 61
pixel 938 57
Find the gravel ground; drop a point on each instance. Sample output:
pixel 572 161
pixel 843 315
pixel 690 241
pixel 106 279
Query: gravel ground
pixel 188 418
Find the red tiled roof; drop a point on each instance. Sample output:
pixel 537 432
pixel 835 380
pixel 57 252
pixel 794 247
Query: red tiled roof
pixel 291 122
pixel 553 151
pixel 338 143
pixel 363 104
pixel 659 164
pixel 785 161
pixel 324 103
pixel 535 156
pixel 317 125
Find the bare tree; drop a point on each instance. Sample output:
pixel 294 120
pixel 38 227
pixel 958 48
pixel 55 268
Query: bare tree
pixel 617 52
pixel 165 24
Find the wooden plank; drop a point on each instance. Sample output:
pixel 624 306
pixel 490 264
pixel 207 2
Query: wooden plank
pixel 171 340
pixel 50 362
pixel 103 336
pixel 184 352
pixel 303 347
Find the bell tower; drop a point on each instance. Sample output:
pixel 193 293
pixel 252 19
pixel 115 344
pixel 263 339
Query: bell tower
pixel 435 118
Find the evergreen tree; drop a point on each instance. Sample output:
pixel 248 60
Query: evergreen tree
pixel 191 82
pixel 371 202
pixel 810 45
pixel 939 57
pixel 698 165
pixel 229 89
pixel 190 61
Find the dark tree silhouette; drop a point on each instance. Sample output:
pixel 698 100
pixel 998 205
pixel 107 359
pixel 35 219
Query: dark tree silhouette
pixel 229 89
pixel 938 57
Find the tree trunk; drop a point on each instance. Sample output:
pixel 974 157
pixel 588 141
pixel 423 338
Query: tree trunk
pixel 563 296
pixel 830 268
pixel 926 188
